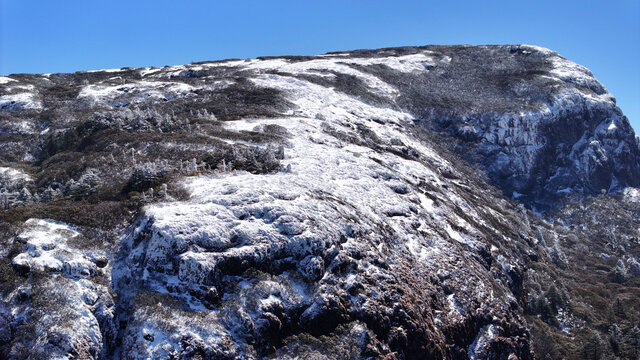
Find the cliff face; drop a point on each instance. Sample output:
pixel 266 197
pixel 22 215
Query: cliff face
pixel 320 206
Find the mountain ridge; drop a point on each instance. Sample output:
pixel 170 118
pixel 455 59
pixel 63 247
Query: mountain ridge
pixel 310 206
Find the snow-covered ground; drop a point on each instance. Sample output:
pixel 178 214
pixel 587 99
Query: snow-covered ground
pixel 139 91
pixel 47 249
pixel 329 192
pixel 20 101
pixel 520 135
pixel 367 224
pixel 6 80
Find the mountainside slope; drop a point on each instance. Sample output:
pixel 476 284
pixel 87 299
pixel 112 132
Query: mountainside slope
pixel 307 206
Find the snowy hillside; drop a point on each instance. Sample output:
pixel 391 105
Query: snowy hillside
pixel 365 204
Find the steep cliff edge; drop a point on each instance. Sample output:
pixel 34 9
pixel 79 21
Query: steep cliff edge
pixel 321 206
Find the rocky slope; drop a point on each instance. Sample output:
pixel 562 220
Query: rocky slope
pixel 365 204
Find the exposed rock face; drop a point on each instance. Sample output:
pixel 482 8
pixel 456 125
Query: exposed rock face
pixel 542 126
pixel 300 207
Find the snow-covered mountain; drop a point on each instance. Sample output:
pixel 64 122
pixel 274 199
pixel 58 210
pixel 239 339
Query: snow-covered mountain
pixel 363 204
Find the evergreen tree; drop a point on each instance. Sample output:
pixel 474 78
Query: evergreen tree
pixel 631 343
pixel 615 338
pixel 593 348
pixel 617 309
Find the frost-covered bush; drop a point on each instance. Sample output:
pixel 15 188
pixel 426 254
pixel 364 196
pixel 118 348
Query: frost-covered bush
pixel 146 176
pixel 619 272
pixel 634 267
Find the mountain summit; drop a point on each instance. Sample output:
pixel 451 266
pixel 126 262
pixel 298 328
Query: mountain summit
pixel 361 204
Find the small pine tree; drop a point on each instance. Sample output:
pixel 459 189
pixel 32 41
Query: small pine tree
pixel 555 298
pixel 163 192
pixel 615 337
pixel 543 343
pixel 133 157
pixel 280 152
pixel 5 202
pixel 593 348
pixel 632 343
pixel 617 309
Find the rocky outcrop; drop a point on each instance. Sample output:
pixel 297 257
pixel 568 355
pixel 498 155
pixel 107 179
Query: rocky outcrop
pixel 65 310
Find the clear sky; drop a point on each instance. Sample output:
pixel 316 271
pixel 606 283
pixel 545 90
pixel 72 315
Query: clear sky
pixel 65 36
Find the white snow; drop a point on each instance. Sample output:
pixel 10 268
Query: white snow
pixel 23 87
pixel 407 63
pixel 326 66
pixel 539 49
pixel 66 316
pixel 142 90
pixel 20 127
pixel 46 249
pixel 240 215
pixel 72 311
pixel 455 235
pixel 105 70
pixel 230 63
pixel 5 80
pixel 331 189
pixel 20 101
pixel 12 175
pixel 573 73
pixel 632 194
pixel 521 136
pixel 270 211
pixel 149 71
pixel 335 194
pixel 454 307
pixel 162 329
pixel 482 341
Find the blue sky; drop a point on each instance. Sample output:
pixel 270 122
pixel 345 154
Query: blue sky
pixel 70 35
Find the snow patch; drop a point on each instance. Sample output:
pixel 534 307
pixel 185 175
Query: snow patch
pixel 142 91
pixel 327 66
pixel 631 194
pixel 105 70
pixel 5 80
pixel 20 101
pixel 46 249
pixel 454 307
pixel 482 342
pixel 12 176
